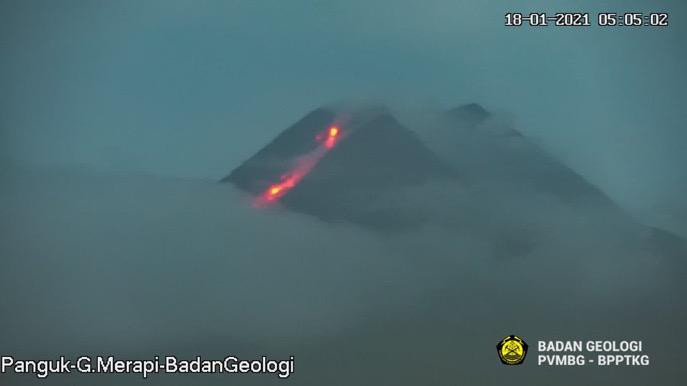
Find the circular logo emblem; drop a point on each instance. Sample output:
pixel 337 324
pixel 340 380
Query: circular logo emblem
pixel 511 350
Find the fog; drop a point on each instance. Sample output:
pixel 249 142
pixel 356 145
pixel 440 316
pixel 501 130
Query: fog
pixel 142 266
pixel 117 120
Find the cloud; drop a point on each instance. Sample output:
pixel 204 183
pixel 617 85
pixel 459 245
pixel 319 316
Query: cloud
pixel 140 264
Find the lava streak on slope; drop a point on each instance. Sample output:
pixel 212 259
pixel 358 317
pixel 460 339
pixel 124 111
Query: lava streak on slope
pixel 303 165
pixel 332 137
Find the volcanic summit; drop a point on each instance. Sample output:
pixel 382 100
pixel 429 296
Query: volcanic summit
pixel 342 166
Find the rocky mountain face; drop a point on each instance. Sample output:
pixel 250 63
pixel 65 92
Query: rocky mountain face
pixel 469 172
pixel 343 166
pixel 490 151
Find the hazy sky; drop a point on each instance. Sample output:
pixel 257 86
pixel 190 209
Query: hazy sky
pixel 191 88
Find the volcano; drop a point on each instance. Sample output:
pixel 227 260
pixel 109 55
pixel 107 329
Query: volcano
pixel 491 154
pixel 486 150
pixel 343 166
pixel 471 174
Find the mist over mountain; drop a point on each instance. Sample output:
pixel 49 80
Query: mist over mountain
pixel 138 265
pixel 387 238
pixel 455 168
pixel 403 184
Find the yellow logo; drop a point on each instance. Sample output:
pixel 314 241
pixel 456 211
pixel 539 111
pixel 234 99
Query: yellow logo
pixel 512 350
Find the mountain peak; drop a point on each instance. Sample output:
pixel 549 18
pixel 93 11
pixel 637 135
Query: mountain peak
pixel 339 165
pixel 471 113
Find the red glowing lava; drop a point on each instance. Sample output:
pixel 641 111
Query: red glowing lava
pixel 303 166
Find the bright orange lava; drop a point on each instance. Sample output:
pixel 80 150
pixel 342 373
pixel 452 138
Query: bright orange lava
pixel 277 190
pixel 331 139
pixel 303 166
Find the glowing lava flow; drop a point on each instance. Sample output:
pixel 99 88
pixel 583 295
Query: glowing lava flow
pixel 304 165
pixel 289 180
pixel 332 136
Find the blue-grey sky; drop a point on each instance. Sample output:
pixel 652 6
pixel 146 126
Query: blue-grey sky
pixel 191 88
